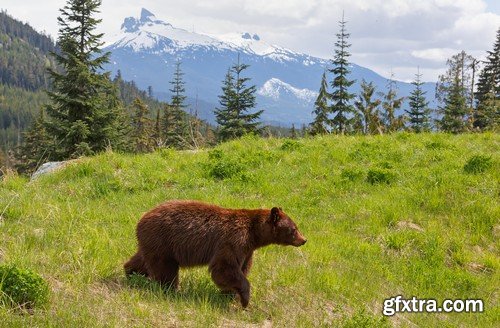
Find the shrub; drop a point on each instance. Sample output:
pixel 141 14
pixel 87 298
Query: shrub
pixel 290 144
pixel 478 164
pixel 222 167
pixel 21 287
pixel 376 176
pixel 351 174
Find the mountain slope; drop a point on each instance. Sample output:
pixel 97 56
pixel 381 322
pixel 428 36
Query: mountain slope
pixel 147 48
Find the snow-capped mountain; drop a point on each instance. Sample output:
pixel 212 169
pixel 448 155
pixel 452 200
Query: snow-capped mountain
pixel 147 49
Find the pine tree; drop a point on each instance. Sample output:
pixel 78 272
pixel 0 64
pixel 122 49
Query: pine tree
pixel 419 112
pixel 341 108
pixel 454 91
pixel 390 104
pixel 85 108
pixel 178 88
pixel 454 109
pixel 293 132
pixel 141 124
pixel 36 148
pixel 321 110
pixel 487 111
pixel 236 101
pixel 368 109
pixel 174 118
pixel 157 136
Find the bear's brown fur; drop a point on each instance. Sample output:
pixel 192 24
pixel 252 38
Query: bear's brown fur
pixel 190 233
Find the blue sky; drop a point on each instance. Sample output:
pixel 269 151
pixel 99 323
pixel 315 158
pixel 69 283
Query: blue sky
pixel 386 35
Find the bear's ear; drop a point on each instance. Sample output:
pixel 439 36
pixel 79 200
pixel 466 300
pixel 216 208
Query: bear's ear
pixel 275 215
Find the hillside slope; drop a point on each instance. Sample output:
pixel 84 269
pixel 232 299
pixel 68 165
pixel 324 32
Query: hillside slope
pixel 384 216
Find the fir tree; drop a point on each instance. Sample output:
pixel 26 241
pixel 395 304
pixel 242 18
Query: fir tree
pixel 174 118
pixel 236 101
pixel 419 112
pixel 454 109
pixel 321 110
pixel 341 108
pixel 141 124
pixel 173 127
pixel 157 136
pixel 85 108
pixel 36 148
pixel 293 132
pixel 454 93
pixel 487 112
pixel 390 104
pixel 368 109
pixel 178 88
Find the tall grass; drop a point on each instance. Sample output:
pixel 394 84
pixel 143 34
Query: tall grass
pixel 412 215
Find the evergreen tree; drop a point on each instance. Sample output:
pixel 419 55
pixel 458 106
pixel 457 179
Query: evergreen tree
pixel 487 112
pixel 390 104
pixel 341 108
pixel 419 112
pixel 85 108
pixel 454 109
pixel 454 91
pixel 141 125
pixel 178 88
pixel 173 127
pixel 156 136
pixel 174 118
pixel 36 147
pixel 293 132
pixel 368 109
pixel 321 110
pixel 236 101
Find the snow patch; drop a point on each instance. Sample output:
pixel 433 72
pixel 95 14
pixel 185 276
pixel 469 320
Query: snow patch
pixel 275 89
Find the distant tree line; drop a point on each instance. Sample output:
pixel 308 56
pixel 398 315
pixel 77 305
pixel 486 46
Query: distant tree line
pixel 86 111
pixel 462 107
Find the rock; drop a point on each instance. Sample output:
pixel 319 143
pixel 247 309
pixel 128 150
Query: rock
pixel 48 168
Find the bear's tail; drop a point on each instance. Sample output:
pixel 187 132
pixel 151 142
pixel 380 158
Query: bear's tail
pixel 136 265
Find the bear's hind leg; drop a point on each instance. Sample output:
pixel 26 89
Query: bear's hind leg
pixel 228 277
pixel 165 271
pixel 135 265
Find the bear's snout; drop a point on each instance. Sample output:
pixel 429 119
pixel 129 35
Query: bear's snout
pixel 299 241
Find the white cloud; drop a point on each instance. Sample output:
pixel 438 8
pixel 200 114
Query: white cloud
pixel 385 34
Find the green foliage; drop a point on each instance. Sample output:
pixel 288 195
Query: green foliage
pixel 433 234
pixel 368 109
pixel 142 127
pixel 478 164
pixel 377 176
pixel 419 112
pixel 221 167
pixel 236 101
pixel 487 111
pixel 290 144
pixel 21 287
pixel 24 55
pixel 321 122
pixel 341 107
pixel 390 104
pixel 85 114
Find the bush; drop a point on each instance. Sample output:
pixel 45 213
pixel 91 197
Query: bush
pixel 290 144
pixel 478 164
pixel 351 174
pixel 20 287
pixel 376 176
pixel 222 167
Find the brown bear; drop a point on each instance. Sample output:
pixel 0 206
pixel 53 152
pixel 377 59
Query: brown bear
pixel 191 233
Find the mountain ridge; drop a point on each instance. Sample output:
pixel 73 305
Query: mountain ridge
pixel 147 49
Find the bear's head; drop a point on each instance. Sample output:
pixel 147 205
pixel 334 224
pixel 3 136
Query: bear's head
pixel 285 231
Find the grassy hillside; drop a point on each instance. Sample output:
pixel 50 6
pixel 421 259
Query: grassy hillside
pixel 384 216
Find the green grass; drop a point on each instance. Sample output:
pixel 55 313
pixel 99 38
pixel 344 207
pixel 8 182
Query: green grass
pixel 411 215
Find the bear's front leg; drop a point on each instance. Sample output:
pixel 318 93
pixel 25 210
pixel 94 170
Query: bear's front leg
pixel 227 275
